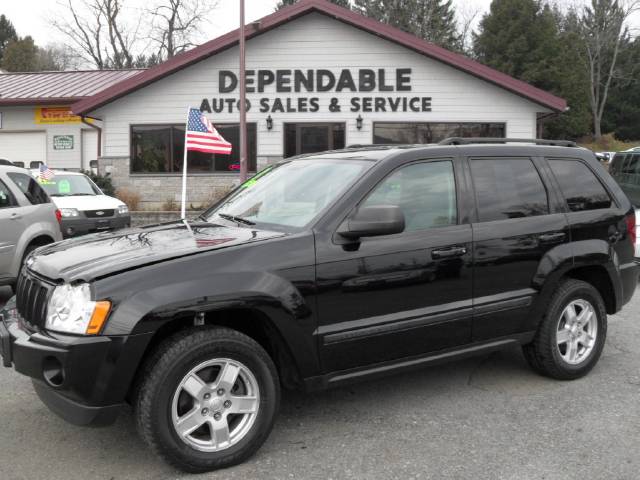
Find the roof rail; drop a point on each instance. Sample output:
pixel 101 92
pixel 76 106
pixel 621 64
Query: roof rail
pixel 537 141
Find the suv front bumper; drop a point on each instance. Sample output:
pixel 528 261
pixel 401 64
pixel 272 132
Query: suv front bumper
pixel 78 378
pixel 73 227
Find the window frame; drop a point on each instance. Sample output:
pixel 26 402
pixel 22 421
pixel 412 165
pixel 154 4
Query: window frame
pixel 551 201
pixel 397 122
pixel 171 126
pixel 46 199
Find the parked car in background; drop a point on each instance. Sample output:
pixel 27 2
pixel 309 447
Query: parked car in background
pixel 84 207
pixel 625 169
pixel 320 271
pixel 605 157
pixel 28 220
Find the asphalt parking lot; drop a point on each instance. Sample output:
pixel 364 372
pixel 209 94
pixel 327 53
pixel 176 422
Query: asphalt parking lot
pixel 489 417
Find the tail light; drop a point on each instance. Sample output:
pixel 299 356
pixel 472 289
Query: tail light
pixel 58 216
pixel 631 227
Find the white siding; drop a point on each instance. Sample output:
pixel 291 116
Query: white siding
pixel 22 119
pixel 89 147
pixel 315 42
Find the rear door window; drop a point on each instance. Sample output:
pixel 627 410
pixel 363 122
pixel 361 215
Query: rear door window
pixel 28 185
pixel 508 188
pixel 6 197
pixel 580 187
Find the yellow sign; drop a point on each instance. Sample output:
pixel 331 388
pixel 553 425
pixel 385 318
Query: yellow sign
pixel 55 115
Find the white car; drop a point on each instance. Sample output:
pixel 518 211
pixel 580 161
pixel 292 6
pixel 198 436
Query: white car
pixel 84 207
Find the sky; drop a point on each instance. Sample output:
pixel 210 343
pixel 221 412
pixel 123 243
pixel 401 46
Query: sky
pixel 225 16
pixel 33 17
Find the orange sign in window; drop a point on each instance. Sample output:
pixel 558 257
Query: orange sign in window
pixel 50 115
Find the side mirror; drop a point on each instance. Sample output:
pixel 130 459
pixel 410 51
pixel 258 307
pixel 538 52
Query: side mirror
pixel 373 221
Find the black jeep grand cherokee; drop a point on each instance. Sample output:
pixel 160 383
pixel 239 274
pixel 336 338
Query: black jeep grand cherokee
pixel 322 270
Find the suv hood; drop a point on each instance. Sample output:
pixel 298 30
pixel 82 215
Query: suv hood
pixel 87 202
pixel 92 256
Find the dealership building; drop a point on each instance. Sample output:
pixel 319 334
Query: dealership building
pixel 318 77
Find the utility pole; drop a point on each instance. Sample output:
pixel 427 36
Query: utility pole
pixel 243 101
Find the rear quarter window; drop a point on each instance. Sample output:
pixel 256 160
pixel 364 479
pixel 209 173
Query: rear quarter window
pixel 28 185
pixel 579 185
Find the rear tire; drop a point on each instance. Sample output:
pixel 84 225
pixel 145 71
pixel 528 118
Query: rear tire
pixel 207 399
pixel 572 334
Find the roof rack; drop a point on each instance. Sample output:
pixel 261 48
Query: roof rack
pixel 537 141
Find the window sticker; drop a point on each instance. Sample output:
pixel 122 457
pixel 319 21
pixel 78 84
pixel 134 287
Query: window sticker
pixel 251 182
pixel 64 186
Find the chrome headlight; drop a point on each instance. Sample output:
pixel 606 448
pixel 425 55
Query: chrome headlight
pixel 123 209
pixel 71 310
pixel 69 212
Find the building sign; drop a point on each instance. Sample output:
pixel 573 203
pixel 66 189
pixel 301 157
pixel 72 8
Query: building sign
pixel 360 83
pixel 63 142
pixel 55 115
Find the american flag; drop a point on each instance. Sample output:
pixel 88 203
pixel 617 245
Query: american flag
pixel 202 135
pixel 45 172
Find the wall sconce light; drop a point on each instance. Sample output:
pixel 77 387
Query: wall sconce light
pixel 359 122
pixel 269 122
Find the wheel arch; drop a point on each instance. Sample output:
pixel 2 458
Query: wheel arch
pixel 250 321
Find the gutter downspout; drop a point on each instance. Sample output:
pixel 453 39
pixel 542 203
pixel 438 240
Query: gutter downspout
pixel 99 129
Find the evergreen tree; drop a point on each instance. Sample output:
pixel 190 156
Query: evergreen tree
pixel 285 3
pixel 433 20
pixel 7 34
pixel 20 56
pixel 529 40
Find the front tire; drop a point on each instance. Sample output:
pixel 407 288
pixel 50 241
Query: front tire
pixel 207 399
pixel 572 334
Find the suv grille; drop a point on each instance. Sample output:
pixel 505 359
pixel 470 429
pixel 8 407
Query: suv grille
pixel 94 213
pixel 31 299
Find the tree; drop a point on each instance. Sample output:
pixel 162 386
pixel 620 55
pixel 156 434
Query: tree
pixel 7 34
pixel 175 24
pixel 433 20
pixel 97 29
pixel 530 40
pixel 285 3
pixel 604 35
pixel 20 55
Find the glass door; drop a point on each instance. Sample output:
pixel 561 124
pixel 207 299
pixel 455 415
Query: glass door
pixel 302 138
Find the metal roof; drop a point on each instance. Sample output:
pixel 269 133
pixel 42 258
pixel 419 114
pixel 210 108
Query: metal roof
pixel 304 7
pixel 48 88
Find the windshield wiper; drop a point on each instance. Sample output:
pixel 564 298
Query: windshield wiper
pixel 235 218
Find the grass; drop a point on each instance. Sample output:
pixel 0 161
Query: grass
pixel 607 143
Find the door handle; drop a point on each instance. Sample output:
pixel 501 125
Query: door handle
pixel 15 216
pixel 448 252
pixel 552 237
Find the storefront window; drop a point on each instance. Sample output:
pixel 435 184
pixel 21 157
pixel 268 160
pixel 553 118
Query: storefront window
pixel 160 149
pixel 395 132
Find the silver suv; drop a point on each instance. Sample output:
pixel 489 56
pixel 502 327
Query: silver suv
pixel 28 219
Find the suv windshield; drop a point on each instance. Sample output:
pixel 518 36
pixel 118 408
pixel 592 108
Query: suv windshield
pixel 62 185
pixel 290 195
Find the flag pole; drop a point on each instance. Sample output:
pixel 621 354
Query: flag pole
pixel 183 206
pixel 243 100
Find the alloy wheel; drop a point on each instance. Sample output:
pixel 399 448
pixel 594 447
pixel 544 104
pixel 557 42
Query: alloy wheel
pixel 576 332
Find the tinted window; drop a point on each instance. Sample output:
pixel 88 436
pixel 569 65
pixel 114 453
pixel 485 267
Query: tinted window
pixel 28 185
pixel 631 164
pixel 426 193
pixel 508 188
pixel 617 163
pixel 6 198
pixel 580 187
